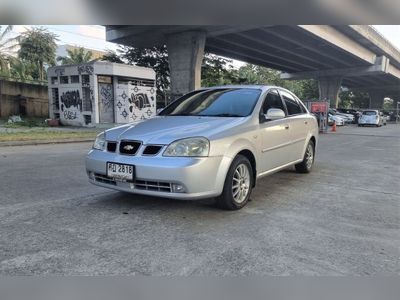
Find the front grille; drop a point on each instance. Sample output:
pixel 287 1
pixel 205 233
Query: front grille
pixel 129 147
pixel 152 150
pixel 153 186
pixel 104 179
pixel 111 146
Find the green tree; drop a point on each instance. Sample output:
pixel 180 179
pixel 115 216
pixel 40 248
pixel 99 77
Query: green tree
pixel 38 46
pixel 155 57
pixel 309 90
pixel 216 70
pixel 112 56
pixel 22 70
pixel 352 99
pixel 252 74
pixel 76 56
pixel 8 46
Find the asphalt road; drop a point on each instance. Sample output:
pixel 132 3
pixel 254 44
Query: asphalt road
pixel 342 219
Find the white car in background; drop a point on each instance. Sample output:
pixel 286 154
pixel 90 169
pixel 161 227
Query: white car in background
pixel 372 117
pixel 348 118
pixel 337 119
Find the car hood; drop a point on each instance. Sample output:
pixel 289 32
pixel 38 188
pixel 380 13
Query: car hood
pixel 166 129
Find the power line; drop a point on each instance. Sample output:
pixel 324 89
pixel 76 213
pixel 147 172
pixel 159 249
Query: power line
pixel 77 33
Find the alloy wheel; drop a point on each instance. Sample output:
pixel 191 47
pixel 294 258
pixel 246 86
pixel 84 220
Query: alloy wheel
pixel 309 156
pixel 240 183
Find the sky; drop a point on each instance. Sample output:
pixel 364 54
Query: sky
pixel 93 36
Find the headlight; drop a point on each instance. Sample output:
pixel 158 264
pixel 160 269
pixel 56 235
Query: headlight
pixel 195 147
pixel 100 141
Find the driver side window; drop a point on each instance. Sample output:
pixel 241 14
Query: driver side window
pixel 272 100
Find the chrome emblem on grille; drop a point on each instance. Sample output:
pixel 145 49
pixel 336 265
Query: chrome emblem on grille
pixel 128 147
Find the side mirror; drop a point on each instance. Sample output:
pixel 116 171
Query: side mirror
pixel 159 110
pixel 274 114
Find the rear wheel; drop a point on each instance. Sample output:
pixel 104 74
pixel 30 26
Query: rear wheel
pixel 238 184
pixel 306 165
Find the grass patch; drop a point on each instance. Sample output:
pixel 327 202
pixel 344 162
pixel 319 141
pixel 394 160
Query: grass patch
pixel 45 135
pixel 28 122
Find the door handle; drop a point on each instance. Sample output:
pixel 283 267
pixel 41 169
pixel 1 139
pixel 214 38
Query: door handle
pixel 305 122
pixel 286 126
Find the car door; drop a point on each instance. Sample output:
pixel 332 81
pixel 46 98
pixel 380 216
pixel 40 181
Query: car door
pixel 298 120
pixel 275 135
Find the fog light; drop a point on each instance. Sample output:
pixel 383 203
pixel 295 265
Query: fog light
pixel 91 175
pixel 177 188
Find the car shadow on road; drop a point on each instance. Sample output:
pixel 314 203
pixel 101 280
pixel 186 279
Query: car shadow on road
pixel 124 202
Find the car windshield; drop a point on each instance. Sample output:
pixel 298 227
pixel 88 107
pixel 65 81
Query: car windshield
pixel 369 113
pixel 224 102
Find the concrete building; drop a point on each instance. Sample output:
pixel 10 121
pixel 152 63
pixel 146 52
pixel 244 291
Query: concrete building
pixel 101 92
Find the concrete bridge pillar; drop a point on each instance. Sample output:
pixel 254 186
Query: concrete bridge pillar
pixel 185 55
pixel 376 98
pixel 329 87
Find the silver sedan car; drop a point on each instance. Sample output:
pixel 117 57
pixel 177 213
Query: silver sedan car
pixel 213 142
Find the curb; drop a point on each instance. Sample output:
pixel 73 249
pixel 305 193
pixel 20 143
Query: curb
pixel 44 142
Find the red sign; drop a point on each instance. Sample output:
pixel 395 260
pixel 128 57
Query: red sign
pixel 319 107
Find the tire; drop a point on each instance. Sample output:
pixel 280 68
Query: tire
pixel 306 165
pixel 240 172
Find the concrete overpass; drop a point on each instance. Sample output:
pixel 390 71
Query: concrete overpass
pixel 353 56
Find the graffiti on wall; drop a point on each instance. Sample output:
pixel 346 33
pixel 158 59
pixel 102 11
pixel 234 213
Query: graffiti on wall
pixel 134 103
pixel 106 96
pixel 71 104
pixel 85 69
pixel 71 98
pixel 59 71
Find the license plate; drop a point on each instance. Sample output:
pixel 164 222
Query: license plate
pixel 122 172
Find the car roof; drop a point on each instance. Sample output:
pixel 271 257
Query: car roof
pixel 243 86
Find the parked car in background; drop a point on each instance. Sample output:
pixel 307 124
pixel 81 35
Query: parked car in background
pixel 372 117
pixel 213 142
pixel 390 115
pixel 335 118
pixel 348 118
pixel 350 111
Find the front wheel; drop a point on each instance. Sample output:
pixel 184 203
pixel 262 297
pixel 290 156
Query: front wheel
pixel 238 184
pixel 306 165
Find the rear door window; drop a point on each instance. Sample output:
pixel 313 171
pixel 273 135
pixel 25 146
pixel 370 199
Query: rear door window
pixel 292 106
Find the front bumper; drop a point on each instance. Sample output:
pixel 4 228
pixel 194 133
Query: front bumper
pixel 201 177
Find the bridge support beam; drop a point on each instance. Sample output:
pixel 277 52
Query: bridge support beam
pixel 185 55
pixel 329 87
pixel 376 98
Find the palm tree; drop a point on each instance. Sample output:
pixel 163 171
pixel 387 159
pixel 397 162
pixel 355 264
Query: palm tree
pixel 8 48
pixel 76 56
pixel 38 46
pixel 21 69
